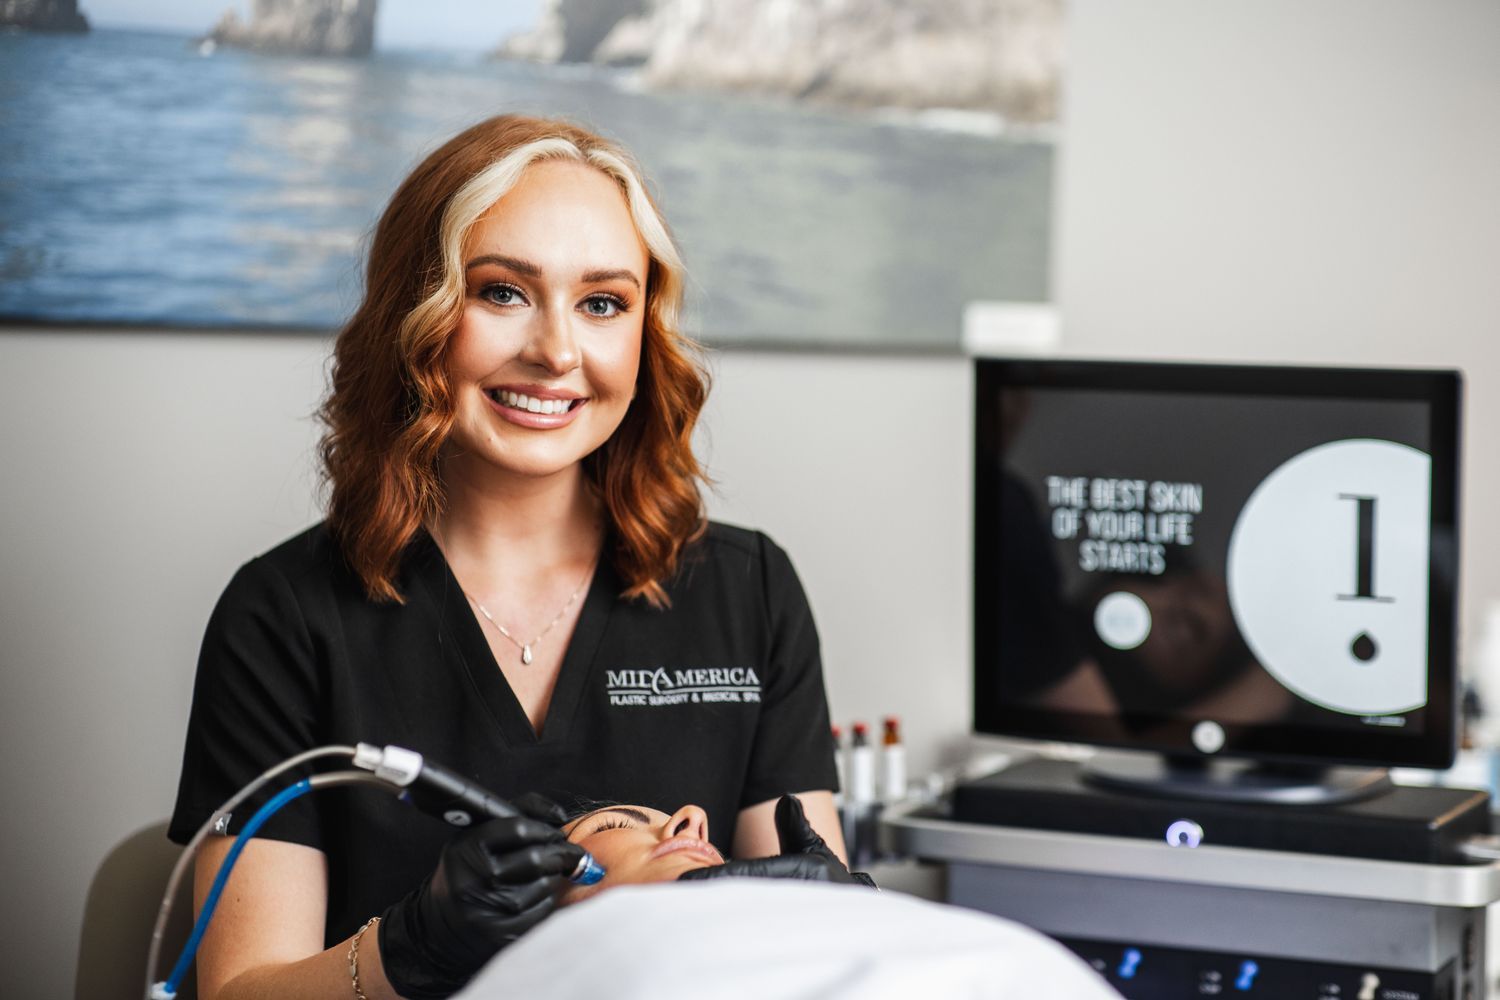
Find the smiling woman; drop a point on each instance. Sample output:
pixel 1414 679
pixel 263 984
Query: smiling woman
pixel 514 534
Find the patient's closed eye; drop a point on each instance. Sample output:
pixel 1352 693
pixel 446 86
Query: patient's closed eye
pixel 614 821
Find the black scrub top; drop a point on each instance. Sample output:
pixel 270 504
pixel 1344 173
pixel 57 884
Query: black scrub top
pixel 717 700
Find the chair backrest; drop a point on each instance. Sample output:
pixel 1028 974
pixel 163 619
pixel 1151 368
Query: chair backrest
pixel 119 913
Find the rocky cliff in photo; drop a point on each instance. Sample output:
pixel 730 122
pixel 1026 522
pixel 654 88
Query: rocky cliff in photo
pixel 42 15
pixel 571 30
pixel 994 55
pixel 302 27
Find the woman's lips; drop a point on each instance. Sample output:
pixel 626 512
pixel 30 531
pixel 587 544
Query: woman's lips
pixel 538 409
pixel 690 845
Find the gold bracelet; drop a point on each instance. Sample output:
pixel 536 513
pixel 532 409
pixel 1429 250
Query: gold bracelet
pixel 359 994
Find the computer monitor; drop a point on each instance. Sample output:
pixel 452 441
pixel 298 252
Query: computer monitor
pixel 1218 561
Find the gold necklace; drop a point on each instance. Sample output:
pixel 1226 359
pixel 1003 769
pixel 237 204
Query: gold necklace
pixel 525 647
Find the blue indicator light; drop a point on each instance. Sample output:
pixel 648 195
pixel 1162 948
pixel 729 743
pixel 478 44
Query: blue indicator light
pixel 1129 963
pixel 1248 970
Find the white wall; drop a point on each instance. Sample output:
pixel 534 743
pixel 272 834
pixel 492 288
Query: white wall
pixel 1250 179
pixel 859 467
pixel 1277 180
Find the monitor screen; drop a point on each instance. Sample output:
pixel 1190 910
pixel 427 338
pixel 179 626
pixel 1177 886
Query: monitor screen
pixel 1208 559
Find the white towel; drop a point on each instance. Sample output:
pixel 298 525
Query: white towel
pixel 760 939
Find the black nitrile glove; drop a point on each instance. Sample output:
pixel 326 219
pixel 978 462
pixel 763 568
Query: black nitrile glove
pixel 804 855
pixel 493 882
pixel 538 806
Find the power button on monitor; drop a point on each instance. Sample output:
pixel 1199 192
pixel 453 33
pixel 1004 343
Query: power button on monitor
pixel 1184 833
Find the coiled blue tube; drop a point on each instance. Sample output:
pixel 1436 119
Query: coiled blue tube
pixel 588 872
pixel 185 962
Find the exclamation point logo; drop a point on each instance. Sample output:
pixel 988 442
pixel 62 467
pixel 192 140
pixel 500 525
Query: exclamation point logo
pixel 1364 647
pixel 1328 574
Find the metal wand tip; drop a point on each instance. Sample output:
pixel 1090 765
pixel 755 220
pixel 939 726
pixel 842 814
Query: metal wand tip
pixel 588 871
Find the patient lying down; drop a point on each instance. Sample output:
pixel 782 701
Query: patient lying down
pixel 637 844
pixel 755 938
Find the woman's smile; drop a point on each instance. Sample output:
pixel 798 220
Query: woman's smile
pixel 535 406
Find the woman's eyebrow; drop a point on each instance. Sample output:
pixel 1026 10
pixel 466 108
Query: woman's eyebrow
pixel 630 811
pixel 516 264
pixel 589 277
pixel 531 270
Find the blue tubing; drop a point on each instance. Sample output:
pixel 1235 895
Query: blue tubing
pixel 185 962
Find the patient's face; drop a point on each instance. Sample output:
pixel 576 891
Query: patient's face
pixel 636 844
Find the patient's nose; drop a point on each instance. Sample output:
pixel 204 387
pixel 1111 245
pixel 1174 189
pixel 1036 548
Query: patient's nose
pixel 689 821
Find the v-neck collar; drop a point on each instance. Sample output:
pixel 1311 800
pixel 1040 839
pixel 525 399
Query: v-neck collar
pixel 466 638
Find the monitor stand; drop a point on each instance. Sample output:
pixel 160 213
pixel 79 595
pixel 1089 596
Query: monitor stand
pixel 1408 823
pixel 1233 781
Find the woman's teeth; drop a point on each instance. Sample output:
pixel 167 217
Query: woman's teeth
pixel 520 401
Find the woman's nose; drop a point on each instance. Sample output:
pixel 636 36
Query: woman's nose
pixel 553 346
pixel 689 821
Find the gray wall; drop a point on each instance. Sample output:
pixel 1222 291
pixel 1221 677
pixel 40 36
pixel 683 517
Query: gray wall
pixel 1252 179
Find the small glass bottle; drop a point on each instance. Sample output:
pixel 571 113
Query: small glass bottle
pixel 861 768
pixel 892 762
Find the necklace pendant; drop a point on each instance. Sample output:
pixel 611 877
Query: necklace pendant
pixel 526 654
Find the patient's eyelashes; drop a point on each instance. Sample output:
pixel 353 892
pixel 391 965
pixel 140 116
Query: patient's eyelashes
pixel 615 818
pixel 613 821
pixel 612 818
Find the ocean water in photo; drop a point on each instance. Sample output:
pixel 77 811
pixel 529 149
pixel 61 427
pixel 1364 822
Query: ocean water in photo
pixel 145 182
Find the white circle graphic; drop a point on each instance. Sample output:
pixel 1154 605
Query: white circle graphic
pixel 1208 737
pixel 1122 620
pixel 1327 572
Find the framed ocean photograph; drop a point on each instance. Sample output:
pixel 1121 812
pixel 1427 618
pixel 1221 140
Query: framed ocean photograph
pixel 838 174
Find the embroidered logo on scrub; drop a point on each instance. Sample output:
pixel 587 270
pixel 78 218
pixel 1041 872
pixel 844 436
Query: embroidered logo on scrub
pixel 661 686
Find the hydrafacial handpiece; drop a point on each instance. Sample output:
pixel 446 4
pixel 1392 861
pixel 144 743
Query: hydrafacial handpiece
pixel 452 798
pixel 588 871
pixel 429 787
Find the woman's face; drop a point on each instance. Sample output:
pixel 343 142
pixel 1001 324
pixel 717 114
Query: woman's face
pixel 636 844
pixel 543 363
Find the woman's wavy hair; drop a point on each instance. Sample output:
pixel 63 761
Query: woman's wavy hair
pixel 390 407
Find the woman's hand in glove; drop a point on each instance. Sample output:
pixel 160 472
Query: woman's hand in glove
pixel 493 882
pixel 804 855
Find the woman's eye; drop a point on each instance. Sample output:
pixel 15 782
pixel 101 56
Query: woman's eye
pixel 603 306
pixel 612 824
pixel 502 295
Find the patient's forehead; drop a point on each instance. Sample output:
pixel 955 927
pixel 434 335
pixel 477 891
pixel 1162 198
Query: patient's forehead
pixel 637 816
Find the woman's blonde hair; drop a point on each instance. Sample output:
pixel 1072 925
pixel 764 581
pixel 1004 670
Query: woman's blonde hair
pixel 390 407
